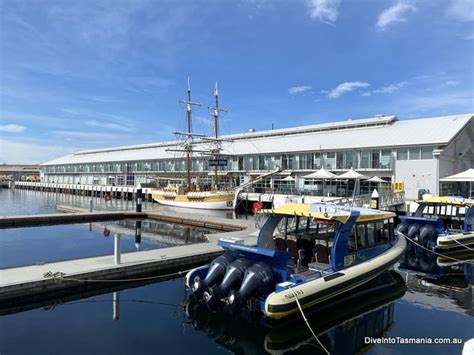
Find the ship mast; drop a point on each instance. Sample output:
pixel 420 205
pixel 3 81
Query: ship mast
pixel 189 136
pixel 215 115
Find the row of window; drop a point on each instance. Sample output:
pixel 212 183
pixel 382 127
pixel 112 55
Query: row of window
pixel 415 153
pixel 343 160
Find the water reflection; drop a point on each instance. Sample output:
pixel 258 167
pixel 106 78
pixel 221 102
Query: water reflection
pixel 447 279
pixel 161 233
pixel 341 324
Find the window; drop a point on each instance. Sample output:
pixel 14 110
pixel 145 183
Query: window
pixel 361 236
pixel 340 160
pixel 317 160
pixel 330 161
pixel 375 159
pixel 351 160
pixel 426 152
pixel 414 153
pixel 402 154
pixel 385 156
pixel 365 161
pixel 371 236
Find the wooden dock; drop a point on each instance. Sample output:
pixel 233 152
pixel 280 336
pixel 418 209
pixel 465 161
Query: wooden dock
pixel 20 285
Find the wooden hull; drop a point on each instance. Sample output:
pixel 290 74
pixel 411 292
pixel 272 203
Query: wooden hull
pixel 209 201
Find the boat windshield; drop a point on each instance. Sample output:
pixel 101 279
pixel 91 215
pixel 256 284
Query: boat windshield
pixel 452 215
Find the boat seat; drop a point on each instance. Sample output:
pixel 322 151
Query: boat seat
pixel 280 244
pixel 321 253
pixel 456 224
pixel 297 254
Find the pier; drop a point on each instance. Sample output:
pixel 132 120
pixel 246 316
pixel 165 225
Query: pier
pixel 26 284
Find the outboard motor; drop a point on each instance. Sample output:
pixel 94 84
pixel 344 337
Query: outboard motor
pixel 413 230
pixel 257 277
pixel 402 228
pixel 426 236
pixel 214 276
pixel 232 279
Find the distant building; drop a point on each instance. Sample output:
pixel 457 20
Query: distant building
pixel 19 172
pixel 417 152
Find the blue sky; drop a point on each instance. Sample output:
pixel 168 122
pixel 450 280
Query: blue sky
pixel 98 73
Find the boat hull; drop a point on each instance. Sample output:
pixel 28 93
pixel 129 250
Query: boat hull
pixel 282 303
pixel 209 202
pixel 454 241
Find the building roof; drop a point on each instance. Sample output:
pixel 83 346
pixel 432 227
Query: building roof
pixel 351 134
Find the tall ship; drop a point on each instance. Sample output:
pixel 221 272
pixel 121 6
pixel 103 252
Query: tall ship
pixel 191 194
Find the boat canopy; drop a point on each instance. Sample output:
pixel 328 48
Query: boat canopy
pixel 451 200
pixel 325 212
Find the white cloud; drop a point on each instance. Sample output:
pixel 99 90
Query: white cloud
pixel 299 89
pixel 325 11
pixel 346 87
pixel 367 93
pixel 324 92
pixel 469 37
pixel 108 125
pixel 395 14
pixel 12 128
pixel 31 151
pixel 86 134
pixel 451 83
pixel 389 89
pixel 461 10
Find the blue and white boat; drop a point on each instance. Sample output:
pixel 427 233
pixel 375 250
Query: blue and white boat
pixel 443 224
pixel 305 254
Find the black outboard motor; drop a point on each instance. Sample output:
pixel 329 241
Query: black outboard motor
pixel 413 230
pixel 427 234
pixel 257 277
pixel 214 276
pixel 402 228
pixel 232 279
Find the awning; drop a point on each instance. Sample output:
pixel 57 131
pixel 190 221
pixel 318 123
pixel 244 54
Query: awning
pixel 288 178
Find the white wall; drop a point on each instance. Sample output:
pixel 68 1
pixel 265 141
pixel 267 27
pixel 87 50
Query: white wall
pixel 416 174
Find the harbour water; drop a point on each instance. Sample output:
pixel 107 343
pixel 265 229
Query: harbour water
pixel 412 305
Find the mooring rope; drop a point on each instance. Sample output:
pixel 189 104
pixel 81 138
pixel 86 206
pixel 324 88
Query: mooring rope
pixel 59 276
pixel 306 321
pixel 461 244
pixel 435 253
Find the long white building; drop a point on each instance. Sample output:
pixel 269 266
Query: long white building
pixel 417 152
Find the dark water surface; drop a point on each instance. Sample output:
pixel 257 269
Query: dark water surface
pixel 156 318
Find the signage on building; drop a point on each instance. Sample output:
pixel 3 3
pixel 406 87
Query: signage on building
pixel 217 162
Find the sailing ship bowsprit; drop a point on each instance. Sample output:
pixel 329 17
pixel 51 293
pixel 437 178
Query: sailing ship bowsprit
pixel 191 195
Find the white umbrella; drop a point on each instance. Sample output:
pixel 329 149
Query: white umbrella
pixel 465 176
pixel 352 174
pixel 289 180
pixel 376 179
pixel 321 174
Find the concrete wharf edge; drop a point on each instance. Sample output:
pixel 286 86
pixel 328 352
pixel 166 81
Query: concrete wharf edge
pixel 29 281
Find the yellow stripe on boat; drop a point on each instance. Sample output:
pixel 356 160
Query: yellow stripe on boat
pixel 332 213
